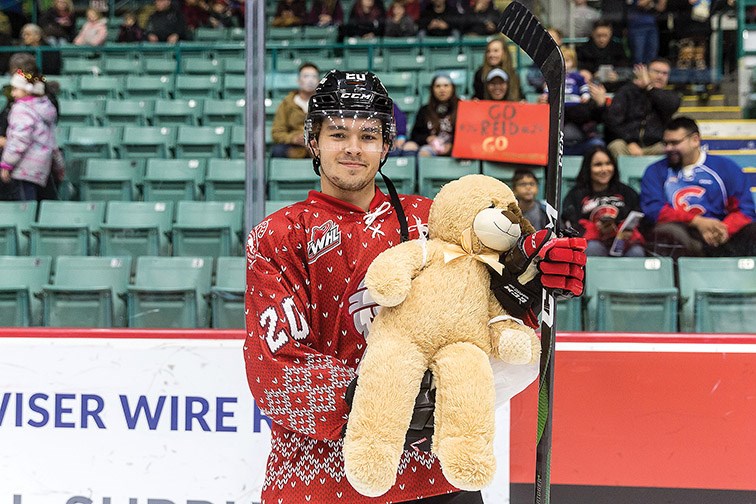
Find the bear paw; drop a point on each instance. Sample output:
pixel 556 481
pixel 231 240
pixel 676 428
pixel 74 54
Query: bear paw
pixel 370 467
pixel 391 292
pixel 467 463
pixel 519 345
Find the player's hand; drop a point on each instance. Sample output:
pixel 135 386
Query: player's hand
pixel 420 432
pixel 562 266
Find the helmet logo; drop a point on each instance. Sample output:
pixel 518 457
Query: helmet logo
pixel 357 96
pixel 356 76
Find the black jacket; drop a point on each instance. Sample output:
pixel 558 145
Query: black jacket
pixel 638 115
pixel 590 56
pixel 165 23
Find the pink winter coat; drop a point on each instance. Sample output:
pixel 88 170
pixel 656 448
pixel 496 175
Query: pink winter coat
pixel 31 149
pixel 92 33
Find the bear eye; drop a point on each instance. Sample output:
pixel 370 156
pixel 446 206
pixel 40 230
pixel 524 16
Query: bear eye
pixel 493 205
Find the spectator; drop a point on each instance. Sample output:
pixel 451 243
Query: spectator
pixel 398 22
pixel 598 204
pixel 601 57
pixel 58 23
pixel 166 24
pixel 130 30
pixel 438 20
pixel 692 31
pixel 365 20
pixel 483 18
pixel 400 146
pixel 196 13
pixel 585 105
pixel 290 13
pixel 581 21
pixel 525 189
pixel 288 124
pixel 221 15
pixel 497 56
pixel 31 152
pixel 412 7
pixel 326 13
pixel 94 31
pixel 31 36
pixel 433 130
pixel 700 204
pixel 497 85
pixel 642 30
pixel 6 39
pixel 639 110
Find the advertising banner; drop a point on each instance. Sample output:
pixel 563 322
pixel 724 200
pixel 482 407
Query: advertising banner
pixel 502 131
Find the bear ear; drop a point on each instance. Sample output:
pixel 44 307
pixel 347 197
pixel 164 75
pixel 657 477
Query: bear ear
pixel 525 226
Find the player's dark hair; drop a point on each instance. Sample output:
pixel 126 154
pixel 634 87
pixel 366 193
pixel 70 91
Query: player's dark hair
pixel 684 122
pixel 583 178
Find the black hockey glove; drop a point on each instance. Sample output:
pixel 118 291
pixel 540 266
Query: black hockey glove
pixel 420 431
pixel 537 261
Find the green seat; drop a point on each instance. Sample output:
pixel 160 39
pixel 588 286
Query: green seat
pixel 235 66
pixel 279 84
pixel 284 33
pixel 173 179
pixel 207 228
pixel 223 112
pixel 208 34
pixel 225 180
pixel 631 294
pixel 409 104
pixel 718 294
pixel 227 295
pixel 87 142
pixel 114 66
pixel 363 61
pixel 631 169
pixel 449 60
pixel 137 228
pixel 317 33
pixel 238 141
pixel 291 179
pixel 401 171
pixel 197 86
pixel 202 141
pixel 16 218
pixel 570 170
pixel 66 227
pixel 570 315
pixel 275 205
pixel 177 112
pixel 147 142
pixel 128 112
pixel 79 112
pixel 111 179
pixel 148 86
pixel 87 292
pixel 72 65
pixel 170 292
pixel 100 87
pixel 234 86
pixel 22 278
pixel 69 85
pixel 434 172
pixel 408 63
pixel 159 66
pixel 197 65
pixel 399 83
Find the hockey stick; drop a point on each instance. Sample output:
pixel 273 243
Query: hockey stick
pixel 522 27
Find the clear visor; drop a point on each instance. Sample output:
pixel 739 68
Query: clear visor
pixel 340 130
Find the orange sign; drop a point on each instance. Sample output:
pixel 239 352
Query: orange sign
pixel 502 131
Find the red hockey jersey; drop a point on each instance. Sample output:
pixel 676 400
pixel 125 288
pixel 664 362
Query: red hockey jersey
pixel 308 314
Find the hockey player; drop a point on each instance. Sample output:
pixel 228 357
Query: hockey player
pixel 700 203
pixel 308 313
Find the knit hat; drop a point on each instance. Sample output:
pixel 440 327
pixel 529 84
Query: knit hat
pixel 497 72
pixel 32 84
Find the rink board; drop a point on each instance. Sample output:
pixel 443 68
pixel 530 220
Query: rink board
pixel 638 418
pixel 645 418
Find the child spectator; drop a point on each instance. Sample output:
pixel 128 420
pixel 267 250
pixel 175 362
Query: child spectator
pixel 525 189
pixel 398 22
pixel 94 32
pixel 129 30
pixel 433 130
pixel 599 203
pixel 31 151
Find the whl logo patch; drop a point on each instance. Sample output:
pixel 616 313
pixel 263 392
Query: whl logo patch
pixel 323 238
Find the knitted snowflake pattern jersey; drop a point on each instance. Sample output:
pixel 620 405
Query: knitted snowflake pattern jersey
pixel 308 316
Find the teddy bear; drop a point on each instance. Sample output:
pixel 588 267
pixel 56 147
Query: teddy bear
pixel 438 313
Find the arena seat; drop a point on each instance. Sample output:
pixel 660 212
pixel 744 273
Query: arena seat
pixel 631 169
pixel 16 218
pixel 275 205
pixel 291 179
pixel 147 142
pixel 128 112
pixel 159 67
pixel 80 112
pixel 630 294
pixel 177 112
pixel 234 86
pixel 170 292
pixel 200 65
pixel 122 65
pixel 238 141
pixel 66 227
pixel 202 141
pixel 111 179
pixel 223 112
pixel 401 171
pixel 570 315
pixel 197 86
pixel 100 87
pixel 207 228
pixel 718 294
pixel 433 172
pixel 227 295
pixel 22 277
pixel 86 142
pixel 137 228
pixel 87 292
pixel 173 179
pixel 225 180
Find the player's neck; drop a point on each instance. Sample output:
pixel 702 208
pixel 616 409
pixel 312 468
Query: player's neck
pixel 360 198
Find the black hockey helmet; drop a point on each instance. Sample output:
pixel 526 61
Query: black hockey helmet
pixel 349 95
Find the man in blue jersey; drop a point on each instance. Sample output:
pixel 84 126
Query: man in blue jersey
pixel 700 203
